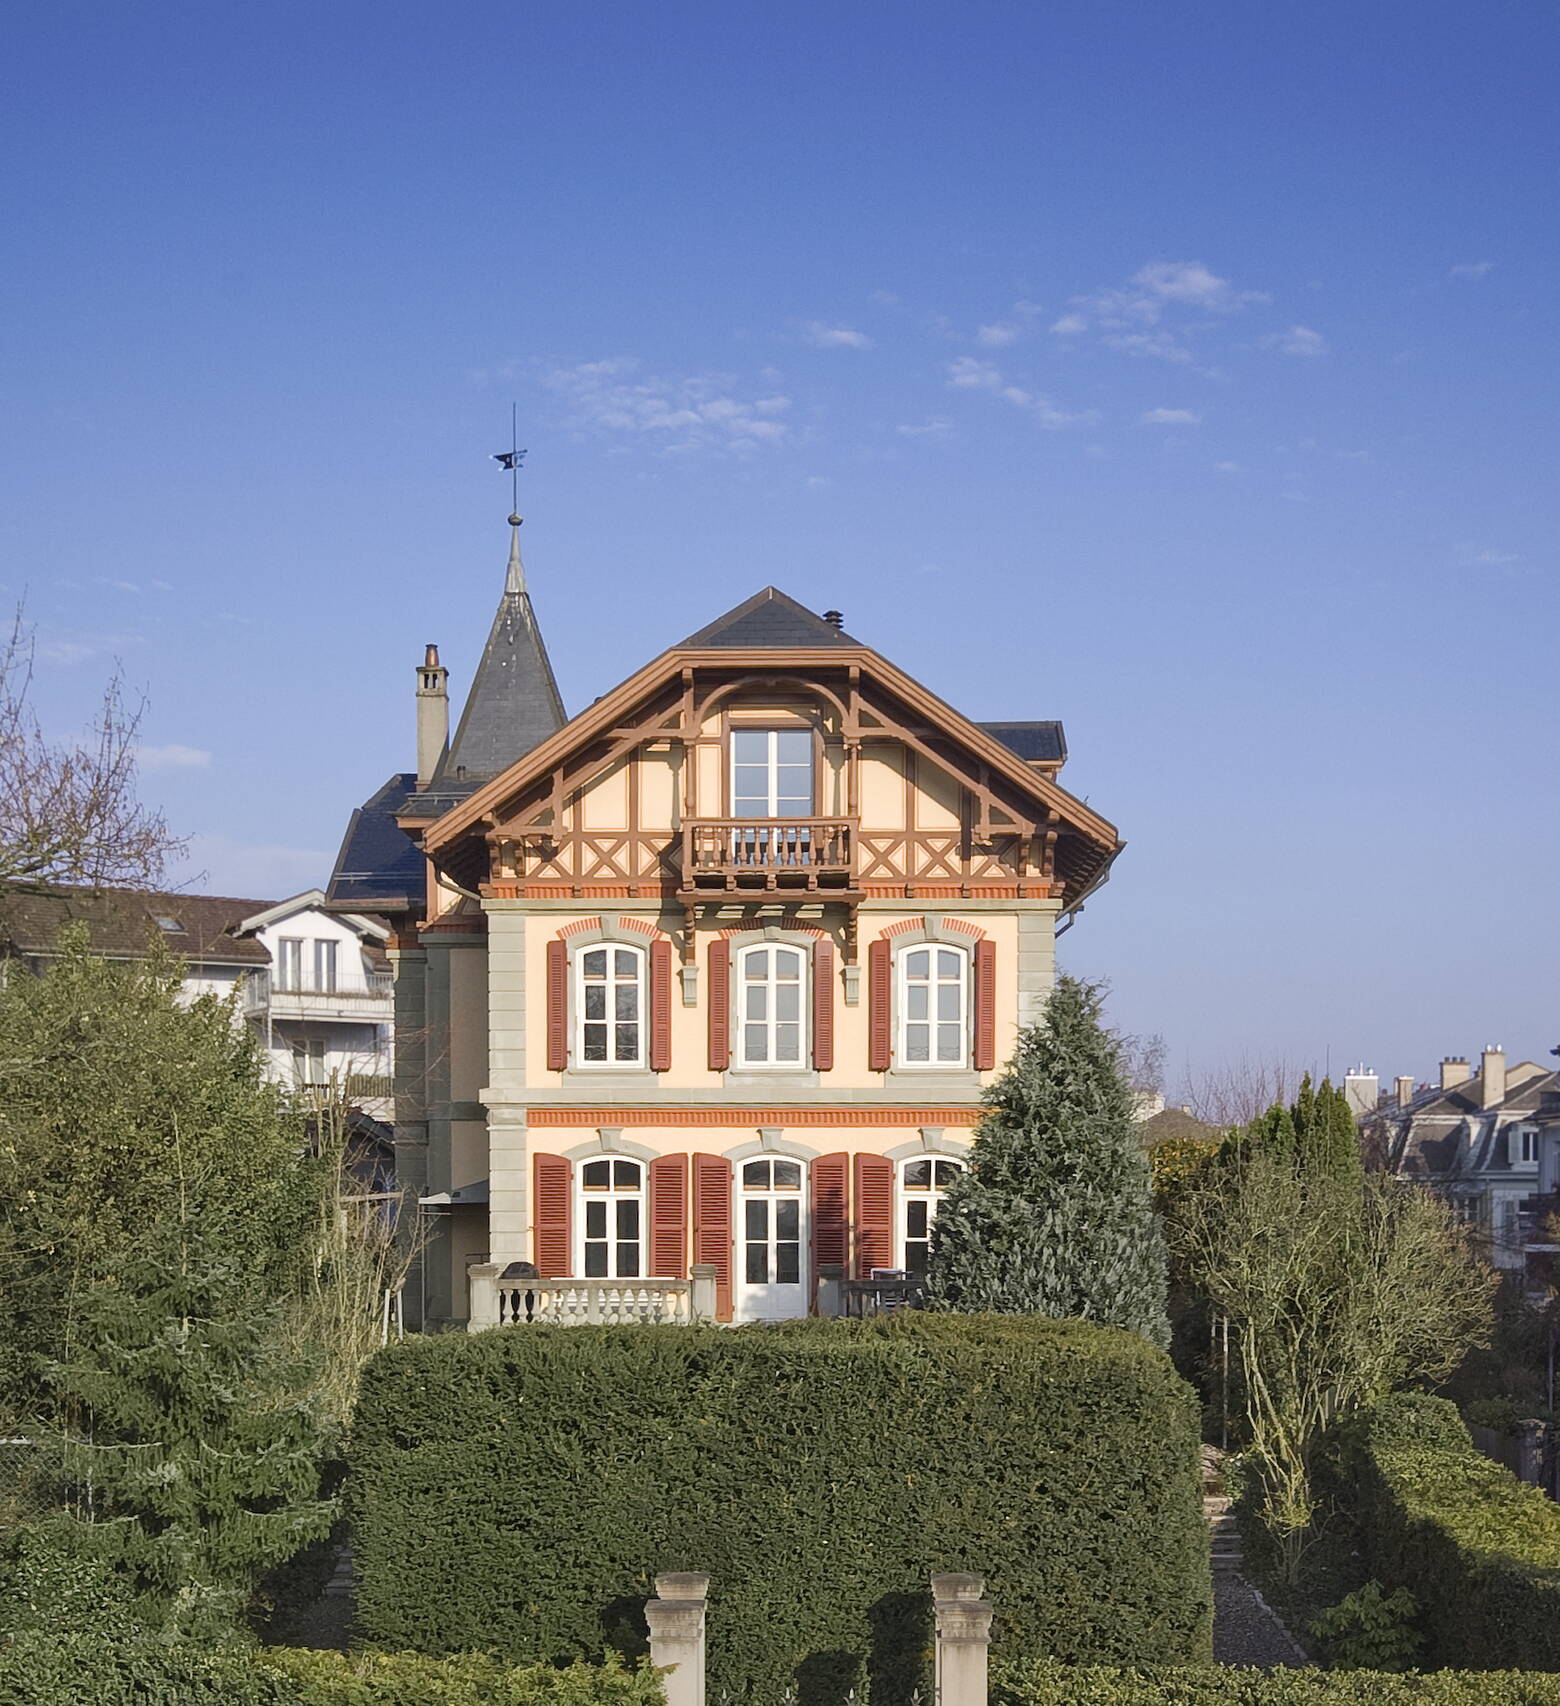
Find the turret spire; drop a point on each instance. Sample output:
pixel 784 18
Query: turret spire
pixel 515 582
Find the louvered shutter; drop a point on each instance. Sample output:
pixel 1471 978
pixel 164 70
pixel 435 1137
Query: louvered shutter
pixel 660 1005
pixel 985 1052
pixel 720 1004
pixel 880 1014
pixel 823 1007
pixel 830 1226
pixel 669 1217
pixel 712 1224
pixel 552 1183
pixel 557 1006
pixel 874 1214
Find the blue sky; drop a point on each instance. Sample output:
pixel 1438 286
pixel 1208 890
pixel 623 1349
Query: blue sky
pixel 1185 372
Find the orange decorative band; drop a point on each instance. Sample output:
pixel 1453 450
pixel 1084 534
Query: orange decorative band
pixel 637 925
pixel 673 1117
pixel 909 924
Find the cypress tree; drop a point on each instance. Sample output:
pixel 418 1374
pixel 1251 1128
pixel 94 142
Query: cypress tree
pixel 1055 1216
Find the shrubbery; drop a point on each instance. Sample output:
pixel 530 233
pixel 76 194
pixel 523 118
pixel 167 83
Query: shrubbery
pixel 1055 1685
pixel 518 1491
pixel 1479 1551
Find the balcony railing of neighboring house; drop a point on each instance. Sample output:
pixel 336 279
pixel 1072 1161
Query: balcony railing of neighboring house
pixel 368 1086
pixel 371 997
pixel 881 1295
pixel 769 853
pixel 1538 1221
pixel 499 1300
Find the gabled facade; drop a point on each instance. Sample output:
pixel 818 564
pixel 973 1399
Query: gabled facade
pixel 1488 1140
pixel 698 999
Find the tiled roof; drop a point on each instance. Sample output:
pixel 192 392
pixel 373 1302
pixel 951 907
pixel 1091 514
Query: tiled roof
pixel 769 618
pixel 1042 743
pixel 378 867
pixel 1176 1124
pixel 124 922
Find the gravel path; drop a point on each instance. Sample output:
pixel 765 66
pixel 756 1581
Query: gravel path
pixel 1246 1629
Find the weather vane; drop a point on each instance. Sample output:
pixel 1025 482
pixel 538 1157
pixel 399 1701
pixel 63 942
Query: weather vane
pixel 511 459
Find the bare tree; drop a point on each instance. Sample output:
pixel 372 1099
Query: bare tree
pixel 68 810
pixel 1235 1092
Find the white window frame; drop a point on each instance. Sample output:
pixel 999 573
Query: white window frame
pixel 610 1196
pixel 578 984
pixel 306 1052
pixel 325 957
pixel 772 1196
pixel 289 963
pixel 1529 1146
pixel 772 764
pixel 902 1019
pixel 740 986
pixel 932 1194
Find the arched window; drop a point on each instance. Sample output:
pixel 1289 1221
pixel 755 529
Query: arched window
pixel 772 1233
pixel 922 1182
pixel 933 1005
pixel 612 1219
pixel 771 1004
pixel 609 1005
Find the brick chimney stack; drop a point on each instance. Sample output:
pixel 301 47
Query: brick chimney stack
pixel 1494 1076
pixel 1454 1071
pixel 433 715
pixel 1405 1089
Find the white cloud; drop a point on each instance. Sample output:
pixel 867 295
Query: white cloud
pixel 938 426
pixel 173 757
pixel 1070 325
pixel 220 865
pixel 693 413
pixel 1298 340
pixel 1170 417
pixel 1130 317
pixel 969 374
pixel 997 336
pixel 817 482
pixel 822 336
pixel 1471 269
pixel 1473 557
pixel 1227 468
pixel 1160 345
pixel 82 648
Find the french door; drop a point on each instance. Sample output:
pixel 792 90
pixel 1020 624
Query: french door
pixel 771 1240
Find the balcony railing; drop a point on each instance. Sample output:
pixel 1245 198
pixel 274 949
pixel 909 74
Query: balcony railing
pixel 769 853
pixel 371 997
pixel 881 1296
pixel 498 1301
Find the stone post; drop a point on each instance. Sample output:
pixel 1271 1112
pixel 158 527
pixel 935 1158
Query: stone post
pixel 963 1639
pixel 676 1622
pixel 831 1289
pixel 482 1279
pixel 701 1291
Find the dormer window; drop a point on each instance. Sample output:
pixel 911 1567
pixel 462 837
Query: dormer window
pixel 170 925
pixel 772 773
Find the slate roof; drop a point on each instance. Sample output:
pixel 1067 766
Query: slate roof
pixel 378 867
pixel 1176 1125
pixel 123 922
pixel 1033 742
pixel 769 618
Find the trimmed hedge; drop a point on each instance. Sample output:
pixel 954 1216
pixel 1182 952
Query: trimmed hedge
pixel 89 1670
pixel 518 1490
pixel 1056 1686
pixel 1478 1550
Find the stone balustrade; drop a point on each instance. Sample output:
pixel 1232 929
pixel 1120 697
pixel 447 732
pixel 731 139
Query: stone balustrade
pixel 500 1297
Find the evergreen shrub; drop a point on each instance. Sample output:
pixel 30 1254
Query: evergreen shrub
pixel 518 1491
pixel 1058 1685
pixel 1478 1550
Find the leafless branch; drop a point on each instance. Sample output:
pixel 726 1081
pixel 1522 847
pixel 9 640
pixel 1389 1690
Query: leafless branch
pixel 1234 1092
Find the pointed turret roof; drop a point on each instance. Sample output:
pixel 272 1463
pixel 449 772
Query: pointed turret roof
pixel 514 702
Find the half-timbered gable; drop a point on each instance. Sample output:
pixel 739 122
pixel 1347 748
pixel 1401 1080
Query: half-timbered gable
pixel 711 977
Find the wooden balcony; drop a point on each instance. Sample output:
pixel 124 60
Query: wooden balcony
pixel 737 855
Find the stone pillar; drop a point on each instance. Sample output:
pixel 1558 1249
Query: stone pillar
pixel 831 1289
pixel 963 1639
pixel 676 1622
pixel 483 1281
pixel 701 1291
pixel 509 1161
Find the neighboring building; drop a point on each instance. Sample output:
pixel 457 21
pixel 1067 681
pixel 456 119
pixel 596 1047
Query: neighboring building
pixel 1160 1124
pixel 314 984
pixel 708 980
pixel 1488 1140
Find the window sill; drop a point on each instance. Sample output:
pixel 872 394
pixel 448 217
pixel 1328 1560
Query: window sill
pixel 580 1077
pixel 767 1077
pixel 963 1080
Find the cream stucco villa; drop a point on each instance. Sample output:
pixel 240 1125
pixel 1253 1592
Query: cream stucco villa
pixel 696 992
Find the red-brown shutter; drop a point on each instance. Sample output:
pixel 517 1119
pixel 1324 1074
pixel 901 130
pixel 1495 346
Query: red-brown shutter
pixel 551 1187
pixel 669 1217
pixel 823 1008
pixel 874 1214
pixel 557 1006
pixel 660 1005
pixel 985 1004
pixel 712 1224
pixel 880 1017
pixel 720 1004
pixel 830 1225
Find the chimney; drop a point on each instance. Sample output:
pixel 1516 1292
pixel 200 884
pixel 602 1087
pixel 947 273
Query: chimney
pixel 1494 1076
pixel 1454 1071
pixel 433 715
pixel 1405 1089
pixel 1361 1090
pixel 835 618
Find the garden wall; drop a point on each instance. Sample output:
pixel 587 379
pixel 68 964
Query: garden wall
pixel 518 1490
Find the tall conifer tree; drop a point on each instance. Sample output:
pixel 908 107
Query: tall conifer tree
pixel 1055 1216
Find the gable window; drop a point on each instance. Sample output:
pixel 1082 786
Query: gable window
pixel 921 1186
pixel 771 773
pixel 771 992
pixel 289 963
pixel 933 1006
pixel 1529 1141
pixel 609 1006
pixel 612 1194
pixel 325 966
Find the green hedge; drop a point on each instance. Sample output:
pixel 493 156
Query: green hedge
pixel 1478 1550
pixel 518 1490
pixel 90 1670
pixel 1055 1686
